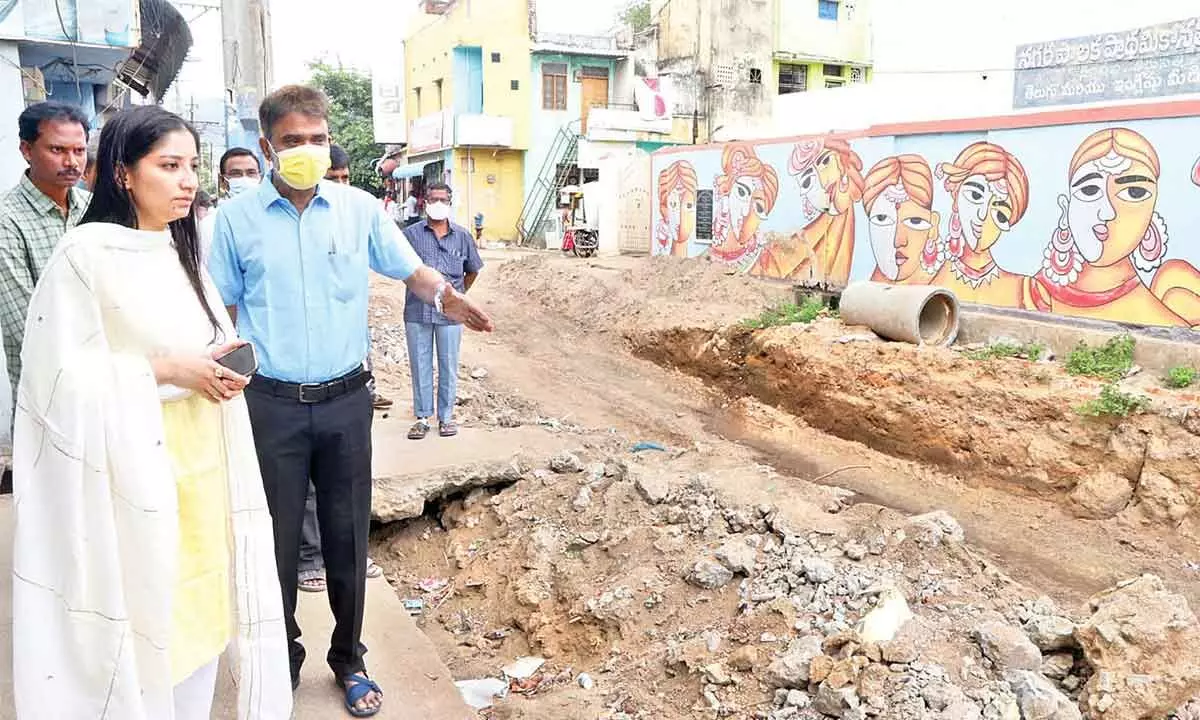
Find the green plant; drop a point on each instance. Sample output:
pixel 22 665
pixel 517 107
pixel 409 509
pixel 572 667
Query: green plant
pixel 1109 362
pixel 1030 351
pixel 1114 402
pixel 350 119
pixel 786 314
pixel 1181 377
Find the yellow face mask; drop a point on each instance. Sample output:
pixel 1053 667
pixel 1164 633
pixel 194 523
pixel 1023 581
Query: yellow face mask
pixel 304 166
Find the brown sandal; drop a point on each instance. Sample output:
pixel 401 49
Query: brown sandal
pixel 448 429
pixel 419 430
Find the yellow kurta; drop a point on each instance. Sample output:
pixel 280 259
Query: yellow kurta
pixel 202 613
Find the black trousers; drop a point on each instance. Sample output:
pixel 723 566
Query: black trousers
pixel 329 442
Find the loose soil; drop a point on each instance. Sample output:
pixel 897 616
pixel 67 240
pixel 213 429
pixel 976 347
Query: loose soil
pixel 805 431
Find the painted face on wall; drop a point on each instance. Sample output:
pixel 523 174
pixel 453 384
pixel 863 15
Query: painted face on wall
pixel 681 214
pixel 899 228
pixel 1111 208
pixel 985 211
pixel 747 207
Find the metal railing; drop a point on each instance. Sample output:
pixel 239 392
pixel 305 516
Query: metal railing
pixel 541 200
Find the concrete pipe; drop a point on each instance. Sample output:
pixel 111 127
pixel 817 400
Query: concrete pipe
pixel 922 315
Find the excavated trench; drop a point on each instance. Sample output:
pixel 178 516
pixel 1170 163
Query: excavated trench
pixel 1008 423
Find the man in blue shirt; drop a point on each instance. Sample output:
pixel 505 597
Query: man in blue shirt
pixel 291 260
pixel 449 249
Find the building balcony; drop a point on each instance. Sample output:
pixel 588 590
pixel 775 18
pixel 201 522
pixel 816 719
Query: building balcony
pixel 624 124
pixel 479 130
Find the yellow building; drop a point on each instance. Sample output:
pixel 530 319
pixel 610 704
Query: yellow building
pixel 466 71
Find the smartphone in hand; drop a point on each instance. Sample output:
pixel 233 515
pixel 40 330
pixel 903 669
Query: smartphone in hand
pixel 242 360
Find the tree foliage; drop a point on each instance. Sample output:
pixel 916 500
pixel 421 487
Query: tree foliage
pixel 637 15
pixel 350 123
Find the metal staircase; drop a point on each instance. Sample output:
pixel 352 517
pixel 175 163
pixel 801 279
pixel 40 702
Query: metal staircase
pixel 560 161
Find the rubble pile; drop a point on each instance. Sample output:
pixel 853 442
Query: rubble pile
pixel 679 602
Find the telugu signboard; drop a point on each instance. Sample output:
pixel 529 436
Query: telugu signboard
pixel 1150 62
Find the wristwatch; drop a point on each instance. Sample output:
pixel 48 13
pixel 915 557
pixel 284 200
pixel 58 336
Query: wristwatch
pixel 438 294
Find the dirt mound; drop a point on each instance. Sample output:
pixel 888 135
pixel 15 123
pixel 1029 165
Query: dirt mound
pixel 1007 421
pixel 619 295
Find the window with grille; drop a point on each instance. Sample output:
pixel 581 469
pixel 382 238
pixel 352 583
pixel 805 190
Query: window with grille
pixel 835 71
pixel 554 86
pixel 591 71
pixel 755 76
pixel 793 79
pixel 858 75
pixel 827 9
pixel 495 57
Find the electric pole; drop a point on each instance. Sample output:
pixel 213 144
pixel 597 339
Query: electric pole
pixel 246 40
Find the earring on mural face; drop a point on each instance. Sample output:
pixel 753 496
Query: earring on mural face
pixel 933 254
pixel 1152 250
pixel 1062 261
pixel 954 243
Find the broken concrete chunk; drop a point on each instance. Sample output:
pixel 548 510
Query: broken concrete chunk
pixel 653 487
pixel 1143 643
pixel 1007 647
pixel 737 556
pixel 709 574
pixel 882 624
pixel 790 670
pixel 566 462
pixel 1039 699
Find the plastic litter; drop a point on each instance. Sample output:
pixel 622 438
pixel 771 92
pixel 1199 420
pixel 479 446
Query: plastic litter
pixel 644 446
pixel 480 694
pixel 523 668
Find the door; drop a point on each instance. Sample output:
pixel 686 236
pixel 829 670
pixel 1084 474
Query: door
pixel 593 93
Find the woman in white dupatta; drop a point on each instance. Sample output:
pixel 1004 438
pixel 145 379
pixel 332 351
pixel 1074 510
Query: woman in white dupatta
pixel 143 546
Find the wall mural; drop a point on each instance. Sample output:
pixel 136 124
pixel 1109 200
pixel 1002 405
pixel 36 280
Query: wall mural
pixel 1090 221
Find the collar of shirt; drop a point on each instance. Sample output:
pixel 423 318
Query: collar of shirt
pixel 268 194
pixel 77 199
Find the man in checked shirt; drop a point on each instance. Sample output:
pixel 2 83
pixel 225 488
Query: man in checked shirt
pixel 449 249
pixel 35 214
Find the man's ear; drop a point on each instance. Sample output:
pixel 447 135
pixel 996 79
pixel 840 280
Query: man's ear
pixel 26 151
pixel 265 147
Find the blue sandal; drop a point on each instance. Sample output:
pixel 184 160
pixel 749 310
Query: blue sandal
pixel 357 687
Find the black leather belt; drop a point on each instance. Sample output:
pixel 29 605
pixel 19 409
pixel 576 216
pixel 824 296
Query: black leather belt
pixel 311 393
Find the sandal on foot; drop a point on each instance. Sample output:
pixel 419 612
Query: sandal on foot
pixel 314 584
pixel 379 402
pixel 448 429
pixel 357 687
pixel 419 430
pixel 373 570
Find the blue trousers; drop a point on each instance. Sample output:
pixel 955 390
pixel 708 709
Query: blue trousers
pixel 423 338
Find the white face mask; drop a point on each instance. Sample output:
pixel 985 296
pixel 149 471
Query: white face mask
pixel 438 210
pixel 239 185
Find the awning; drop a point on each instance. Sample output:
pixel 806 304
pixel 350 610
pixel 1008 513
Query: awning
pixel 166 40
pixel 409 171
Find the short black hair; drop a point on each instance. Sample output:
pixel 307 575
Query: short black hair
pixel 237 152
pixel 31 119
pixel 438 186
pixel 302 99
pixel 203 199
pixel 339 158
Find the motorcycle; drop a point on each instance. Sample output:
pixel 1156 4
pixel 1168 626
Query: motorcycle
pixel 578 237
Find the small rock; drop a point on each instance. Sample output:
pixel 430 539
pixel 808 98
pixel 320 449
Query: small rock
pixel 479 373
pixel 790 670
pixel 744 658
pixel 737 556
pixel 1038 699
pixel 1058 666
pixel 902 650
pixel 935 528
pixel 583 499
pixel 586 682
pixel 818 570
pixel 566 462
pixel 1051 632
pixel 1101 495
pixel 797 698
pixel 717 675
pixel 653 487
pixel 834 702
pixel 1007 647
pixel 709 574
pixel 939 696
pixel 855 551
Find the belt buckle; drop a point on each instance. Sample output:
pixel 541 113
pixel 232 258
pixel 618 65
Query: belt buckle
pixel 314 389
